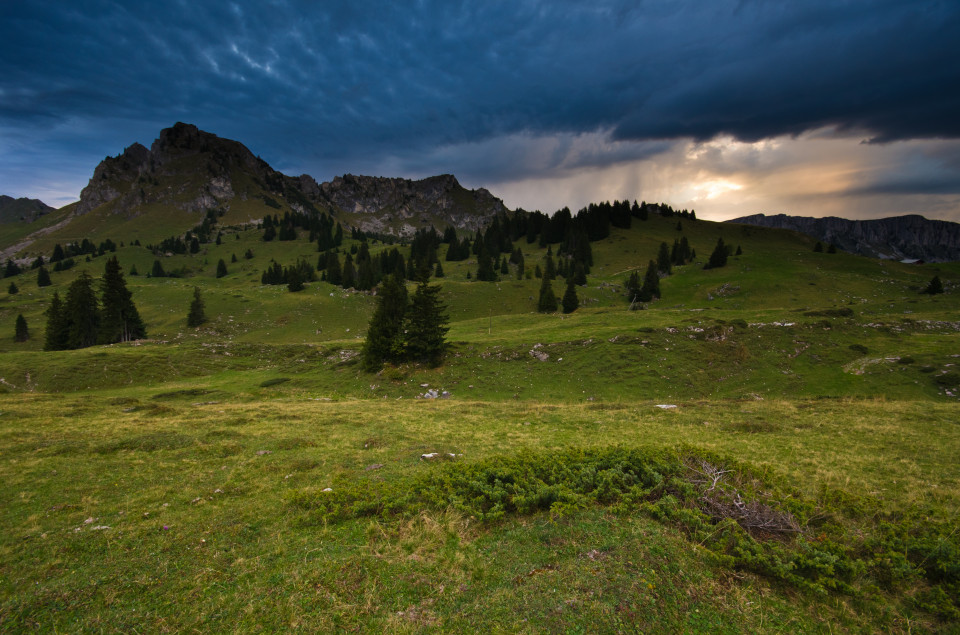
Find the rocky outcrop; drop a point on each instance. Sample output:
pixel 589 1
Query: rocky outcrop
pixel 195 170
pixel 400 206
pixel 897 237
pixel 190 169
pixel 22 210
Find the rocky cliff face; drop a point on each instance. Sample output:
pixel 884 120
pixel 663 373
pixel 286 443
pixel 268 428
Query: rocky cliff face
pixel 22 210
pixel 187 168
pixel 400 206
pixel 896 238
pixel 195 170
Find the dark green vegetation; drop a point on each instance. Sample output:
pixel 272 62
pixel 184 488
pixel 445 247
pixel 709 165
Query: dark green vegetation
pixel 806 479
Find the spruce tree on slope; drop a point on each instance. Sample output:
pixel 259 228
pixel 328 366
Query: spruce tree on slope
pixel 570 300
pixel 719 256
pixel 82 313
pixel 197 315
pixel 119 319
pixel 57 336
pixel 384 334
pixel 426 325
pixel 548 300
pixel 21 332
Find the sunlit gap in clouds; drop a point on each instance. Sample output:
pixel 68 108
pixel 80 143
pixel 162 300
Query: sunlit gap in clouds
pixel 820 173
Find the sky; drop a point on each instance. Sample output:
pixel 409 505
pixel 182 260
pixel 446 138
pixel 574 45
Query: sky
pixel 729 107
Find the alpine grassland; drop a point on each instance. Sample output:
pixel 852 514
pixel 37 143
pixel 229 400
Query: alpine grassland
pixel 769 447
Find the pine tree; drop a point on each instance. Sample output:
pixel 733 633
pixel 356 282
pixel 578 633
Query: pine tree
pixel 56 337
pixel 221 268
pixel 426 326
pixel 438 272
pixel 663 260
pixel 248 254
pixel 119 319
pixel 548 300
pixel 818 248
pixel 570 300
pixel 739 251
pixel 832 249
pixel 579 275
pixel 196 316
pixel 157 270
pixel 21 332
pixel 633 287
pixel 133 270
pixel 719 256
pixel 233 258
pixel 294 280
pixel 82 313
pixel 651 283
pixel 384 334
pixel 11 269
pixel 13 289
pixel 549 268
pixel 935 286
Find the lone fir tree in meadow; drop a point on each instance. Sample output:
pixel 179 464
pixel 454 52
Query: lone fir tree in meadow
pixel 196 316
pixel 384 341
pixel 934 287
pixel 43 277
pixel 426 325
pixel 221 268
pixel 21 331
pixel 119 319
pixel 633 287
pixel 13 289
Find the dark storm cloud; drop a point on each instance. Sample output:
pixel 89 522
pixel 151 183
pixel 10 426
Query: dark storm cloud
pixel 326 86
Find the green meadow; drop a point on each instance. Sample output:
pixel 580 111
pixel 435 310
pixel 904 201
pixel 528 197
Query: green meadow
pixel 771 447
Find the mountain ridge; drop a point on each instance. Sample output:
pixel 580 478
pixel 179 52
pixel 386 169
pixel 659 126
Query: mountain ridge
pixel 909 236
pixel 27 210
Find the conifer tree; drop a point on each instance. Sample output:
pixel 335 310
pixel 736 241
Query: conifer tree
pixel 739 251
pixel 548 300
pixel 56 337
pixel 233 258
pixel 663 260
pixel 82 313
pixel 133 270
pixel 119 319
pixel 11 269
pixel 294 280
pixel 221 268
pixel 334 272
pixel 21 332
pixel 438 272
pixel 818 248
pixel 248 254
pixel 719 256
pixel 651 283
pixel 157 270
pixel 426 325
pixel 385 333
pixel 633 287
pixel 549 268
pixel 579 275
pixel 13 289
pixel 570 300
pixel 832 249
pixel 935 286
pixel 196 316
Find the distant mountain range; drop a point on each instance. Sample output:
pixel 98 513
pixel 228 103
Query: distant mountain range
pixel 26 210
pixel 896 238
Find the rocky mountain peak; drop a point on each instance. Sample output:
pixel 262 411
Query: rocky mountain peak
pixel 27 210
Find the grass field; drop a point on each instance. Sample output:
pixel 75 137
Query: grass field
pixel 178 484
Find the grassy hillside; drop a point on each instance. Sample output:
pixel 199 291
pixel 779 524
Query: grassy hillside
pixel 180 483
